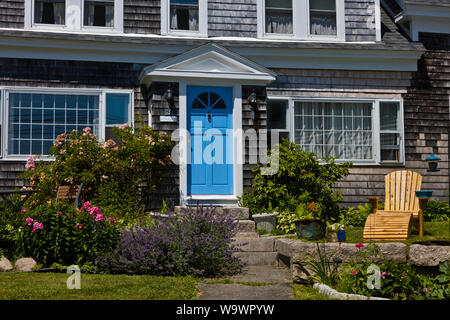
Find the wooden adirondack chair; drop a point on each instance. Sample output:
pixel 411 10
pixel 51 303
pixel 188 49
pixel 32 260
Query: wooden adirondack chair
pixel 401 208
pixel 69 192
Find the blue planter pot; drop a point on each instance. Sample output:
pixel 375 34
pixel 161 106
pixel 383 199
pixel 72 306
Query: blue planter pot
pixel 424 194
pixel 310 229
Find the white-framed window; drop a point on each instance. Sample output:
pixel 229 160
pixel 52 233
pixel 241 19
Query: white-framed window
pixel 184 17
pixel 361 131
pixel 301 19
pixel 34 117
pixel 75 15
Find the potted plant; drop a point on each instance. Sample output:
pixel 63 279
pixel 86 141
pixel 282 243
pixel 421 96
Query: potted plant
pixel 309 224
pixel 265 221
pixel 332 230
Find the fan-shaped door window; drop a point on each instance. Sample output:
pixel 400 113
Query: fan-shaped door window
pixel 208 100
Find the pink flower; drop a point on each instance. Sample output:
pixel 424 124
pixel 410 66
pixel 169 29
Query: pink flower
pixel 123 126
pixel 87 131
pixel 80 153
pixel 354 272
pixel 36 226
pixel 28 221
pixel 30 165
pixel 103 177
pixel 112 220
pixel 87 205
pixel 24 210
pixel 99 217
pixel 359 245
pixel 79 226
pixel 94 210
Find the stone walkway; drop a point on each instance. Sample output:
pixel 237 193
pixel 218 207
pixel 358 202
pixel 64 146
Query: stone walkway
pixel 277 285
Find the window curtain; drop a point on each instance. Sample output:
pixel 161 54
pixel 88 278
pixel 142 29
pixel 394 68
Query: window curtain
pixel 183 18
pixel 59 12
pixel 323 24
pixel 334 129
pixel 278 23
pixel 50 12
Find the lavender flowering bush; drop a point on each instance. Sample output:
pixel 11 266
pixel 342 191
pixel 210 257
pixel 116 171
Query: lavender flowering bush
pixel 195 242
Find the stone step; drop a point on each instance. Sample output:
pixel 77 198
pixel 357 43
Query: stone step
pixel 258 258
pixel 246 235
pixel 246 226
pixel 254 244
pixel 237 213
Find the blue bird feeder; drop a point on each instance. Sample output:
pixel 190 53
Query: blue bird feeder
pixel 432 163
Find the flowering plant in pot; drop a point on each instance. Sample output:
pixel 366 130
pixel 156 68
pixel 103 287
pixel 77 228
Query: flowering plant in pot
pixel 309 223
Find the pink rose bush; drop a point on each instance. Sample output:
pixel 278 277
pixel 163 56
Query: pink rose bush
pixel 112 171
pixel 58 233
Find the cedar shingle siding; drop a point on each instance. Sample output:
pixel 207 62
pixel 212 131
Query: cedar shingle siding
pixel 11 13
pixel 65 74
pixel 232 18
pixel 142 16
pixel 360 20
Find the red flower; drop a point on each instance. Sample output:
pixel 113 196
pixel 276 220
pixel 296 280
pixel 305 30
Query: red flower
pixel 310 205
pixel 359 245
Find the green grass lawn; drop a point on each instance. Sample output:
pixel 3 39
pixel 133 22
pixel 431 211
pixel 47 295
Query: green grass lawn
pixel 432 231
pixel 302 292
pixel 52 286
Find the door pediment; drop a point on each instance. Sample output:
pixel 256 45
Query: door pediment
pixel 208 61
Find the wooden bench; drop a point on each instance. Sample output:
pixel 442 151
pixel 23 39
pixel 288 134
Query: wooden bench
pixel 70 193
pixel 401 208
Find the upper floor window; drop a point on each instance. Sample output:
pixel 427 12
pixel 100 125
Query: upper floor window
pixel 99 13
pixel 322 17
pixel 301 19
pixel 278 16
pixel 184 17
pixel 50 11
pixel 74 15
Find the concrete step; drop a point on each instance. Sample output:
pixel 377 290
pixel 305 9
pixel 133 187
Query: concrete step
pixel 246 226
pixel 255 244
pixel 258 258
pixel 246 235
pixel 237 213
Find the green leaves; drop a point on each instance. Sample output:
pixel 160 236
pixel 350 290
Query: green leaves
pixel 301 178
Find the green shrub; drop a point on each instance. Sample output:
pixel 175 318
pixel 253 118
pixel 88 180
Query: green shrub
pixel 301 178
pixel 355 217
pixel 58 233
pixel 397 281
pixel 286 221
pixel 10 221
pixel 116 175
pixel 436 211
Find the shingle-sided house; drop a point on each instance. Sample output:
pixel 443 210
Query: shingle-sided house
pixel 359 80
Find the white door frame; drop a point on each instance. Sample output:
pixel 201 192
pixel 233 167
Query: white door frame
pixel 238 177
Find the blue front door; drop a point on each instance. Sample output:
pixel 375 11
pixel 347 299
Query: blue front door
pixel 210 118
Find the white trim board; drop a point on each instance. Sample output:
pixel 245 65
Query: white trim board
pixel 150 53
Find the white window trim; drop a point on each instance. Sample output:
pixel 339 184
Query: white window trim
pixel 300 22
pixel 74 18
pixel 376 148
pixel 4 111
pixel 202 21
